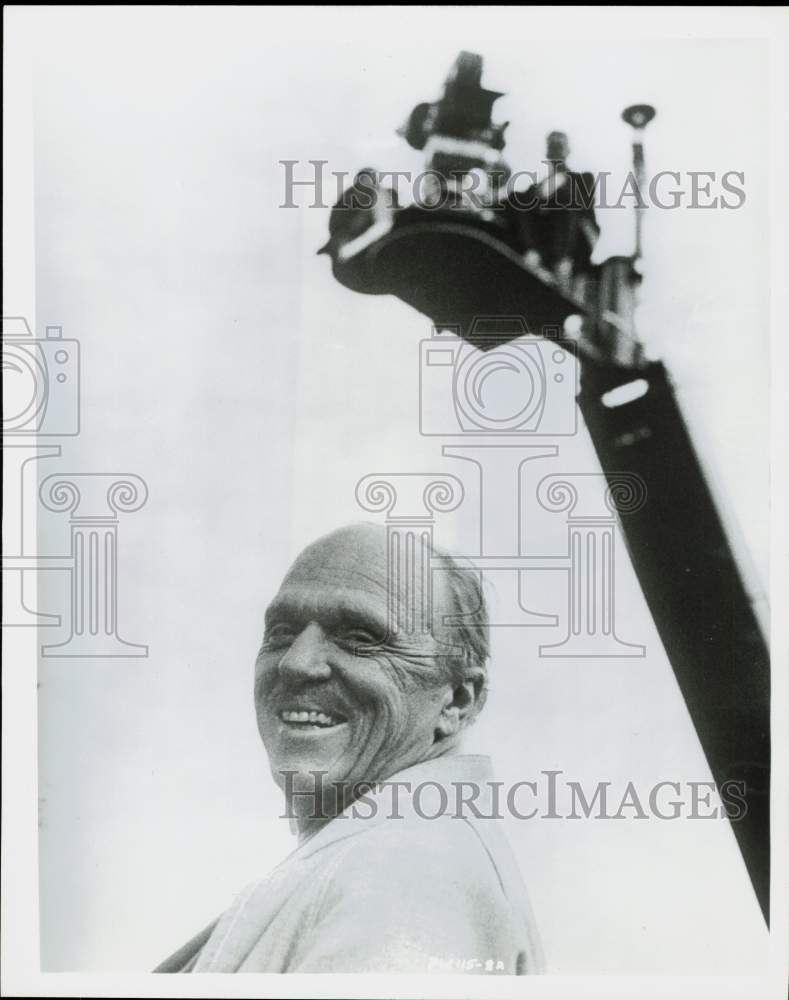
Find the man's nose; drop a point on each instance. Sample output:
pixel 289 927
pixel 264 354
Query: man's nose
pixel 305 658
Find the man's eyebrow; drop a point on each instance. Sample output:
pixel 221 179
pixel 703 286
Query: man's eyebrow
pixel 282 608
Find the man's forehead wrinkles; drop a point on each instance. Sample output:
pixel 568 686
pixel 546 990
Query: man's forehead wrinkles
pixel 305 601
pixel 356 580
pixel 311 572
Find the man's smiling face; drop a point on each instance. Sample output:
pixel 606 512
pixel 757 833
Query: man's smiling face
pixel 333 691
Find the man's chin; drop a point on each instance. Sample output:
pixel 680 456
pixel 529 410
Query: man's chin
pixel 306 772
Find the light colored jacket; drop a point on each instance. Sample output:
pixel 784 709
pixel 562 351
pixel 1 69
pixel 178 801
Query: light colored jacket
pixel 383 889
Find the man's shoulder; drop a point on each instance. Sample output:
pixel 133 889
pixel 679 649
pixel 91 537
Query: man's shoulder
pixel 411 850
pixel 434 883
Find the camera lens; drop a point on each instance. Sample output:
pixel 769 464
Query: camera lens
pixel 502 390
pixel 24 388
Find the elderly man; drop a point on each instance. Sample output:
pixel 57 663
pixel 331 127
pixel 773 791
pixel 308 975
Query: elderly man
pixel 351 706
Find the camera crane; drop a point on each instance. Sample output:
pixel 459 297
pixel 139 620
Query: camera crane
pixel 457 255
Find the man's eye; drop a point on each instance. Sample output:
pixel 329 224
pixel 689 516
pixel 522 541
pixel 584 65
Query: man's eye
pixel 278 634
pixel 359 637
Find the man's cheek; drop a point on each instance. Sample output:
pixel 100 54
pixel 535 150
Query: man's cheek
pixel 368 723
pixel 385 716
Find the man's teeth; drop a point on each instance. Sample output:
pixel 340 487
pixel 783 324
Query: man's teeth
pixel 312 718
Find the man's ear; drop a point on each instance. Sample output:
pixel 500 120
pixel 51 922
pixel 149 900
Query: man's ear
pixel 460 705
